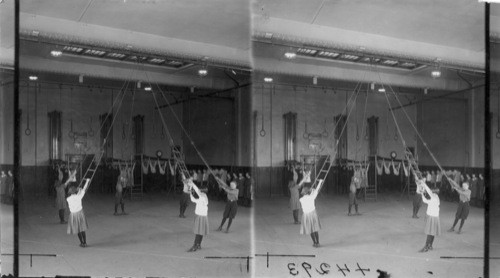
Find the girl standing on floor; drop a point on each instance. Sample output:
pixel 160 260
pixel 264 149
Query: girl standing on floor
pixel 121 184
pixel 310 221
pixel 295 195
pixel 232 204
pixel 463 205
pixel 186 192
pixel 200 228
pixel 61 203
pixel 77 223
pixel 352 196
pixel 417 200
pixel 432 225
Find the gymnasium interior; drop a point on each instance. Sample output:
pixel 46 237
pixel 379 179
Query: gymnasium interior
pixel 161 88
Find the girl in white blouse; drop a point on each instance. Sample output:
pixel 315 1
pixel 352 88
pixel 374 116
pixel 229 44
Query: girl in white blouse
pixel 201 220
pixel 77 223
pixel 432 225
pixel 310 221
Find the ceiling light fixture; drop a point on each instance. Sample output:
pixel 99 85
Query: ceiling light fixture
pixel 138 84
pixel 268 79
pixel 436 73
pixel 381 90
pixel 33 77
pixel 147 88
pixel 315 80
pixel 202 72
pixel 80 78
pixel 56 53
pixel 290 55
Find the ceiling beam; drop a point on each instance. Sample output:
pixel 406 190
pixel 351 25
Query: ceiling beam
pixel 37 64
pixel 272 66
pixel 436 97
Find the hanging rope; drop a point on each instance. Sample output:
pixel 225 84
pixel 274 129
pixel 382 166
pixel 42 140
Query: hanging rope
pixel 71 134
pixel 414 127
pixel 262 131
pixel 498 116
pixel 129 126
pixel 181 126
pixel 350 102
pixel 27 131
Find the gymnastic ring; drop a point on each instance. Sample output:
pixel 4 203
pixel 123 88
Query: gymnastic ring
pixel 262 133
pixel 27 131
pixel 498 135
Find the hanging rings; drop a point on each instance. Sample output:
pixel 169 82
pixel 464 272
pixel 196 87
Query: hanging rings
pixel 71 134
pixel 27 131
pixel 305 135
pixel 262 131
pixel 91 131
pixel 325 133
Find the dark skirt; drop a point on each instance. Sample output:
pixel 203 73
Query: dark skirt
pixel 201 225
pixel 462 210
pixel 432 226
pixel 417 200
pixel 231 209
pixel 61 202
pixel 352 199
pixel 77 222
pixel 118 198
pixel 185 199
pixel 310 223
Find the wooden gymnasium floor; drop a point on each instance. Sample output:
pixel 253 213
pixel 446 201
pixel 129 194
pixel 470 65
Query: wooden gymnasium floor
pixel 150 241
pixel 384 237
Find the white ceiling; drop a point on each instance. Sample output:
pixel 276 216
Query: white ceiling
pixel 453 23
pixel 450 31
pixel 216 22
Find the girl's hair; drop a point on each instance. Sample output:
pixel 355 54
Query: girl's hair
pixel 72 190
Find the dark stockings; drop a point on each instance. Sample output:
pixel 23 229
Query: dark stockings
pixel 222 223
pixel 355 207
pixel 315 237
pixel 183 209
pixel 82 237
pixel 197 240
pixel 429 241
pixel 461 224
pixel 61 215
pixel 296 215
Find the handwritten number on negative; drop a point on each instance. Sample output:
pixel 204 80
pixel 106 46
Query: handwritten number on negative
pixel 343 269
pixel 323 271
pixel 291 268
pixel 362 269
